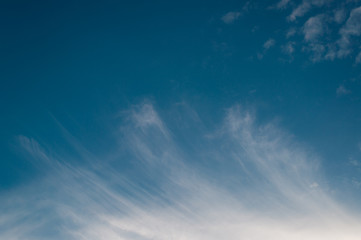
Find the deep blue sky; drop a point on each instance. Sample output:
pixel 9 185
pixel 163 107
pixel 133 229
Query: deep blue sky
pixel 76 66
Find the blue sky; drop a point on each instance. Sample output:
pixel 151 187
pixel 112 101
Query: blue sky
pixel 180 120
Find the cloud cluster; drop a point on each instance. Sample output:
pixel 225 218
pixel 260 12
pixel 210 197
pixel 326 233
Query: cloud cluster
pixel 241 180
pixel 330 29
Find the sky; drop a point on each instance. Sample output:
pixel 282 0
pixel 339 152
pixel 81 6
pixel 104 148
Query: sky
pixel 180 120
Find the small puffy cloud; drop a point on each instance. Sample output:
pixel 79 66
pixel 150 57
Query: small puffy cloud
pixel 230 17
pixel 342 90
pixel 314 28
pixel 269 43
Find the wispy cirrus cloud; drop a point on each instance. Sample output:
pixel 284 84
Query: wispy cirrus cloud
pixel 238 180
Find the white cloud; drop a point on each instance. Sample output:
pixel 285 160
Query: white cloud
pixel 342 90
pixel 37 152
pixel 289 49
pixel 358 58
pixel 260 56
pixel 339 15
pixel 300 10
pixel 316 50
pixel 291 32
pixel 320 30
pixel 266 46
pixel 351 28
pixel 230 17
pixel 314 28
pixel 282 4
pixel 354 162
pixel 269 43
pixel 146 116
pixel 353 24
pixel 305 7
pixel 248 181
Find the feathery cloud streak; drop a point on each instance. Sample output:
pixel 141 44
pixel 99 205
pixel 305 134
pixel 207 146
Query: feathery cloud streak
pixel 241 180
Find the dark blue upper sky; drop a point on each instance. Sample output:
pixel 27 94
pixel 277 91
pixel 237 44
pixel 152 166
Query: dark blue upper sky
pixel 82 60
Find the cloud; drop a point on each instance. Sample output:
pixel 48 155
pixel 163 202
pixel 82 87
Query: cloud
pixel 358 58
pixel 291 32
pixel 305 7
pixel 317 51
pixel 289 48
pixel 351 28
pixel 331 32
pixel 35 150
pixel 342 90
pixel 339 15
pixel 359 146
pixel 354 162
pixel 230 17
pixel 300 10
pixel 269 43
pixel 243 181
pixel 353 24
pixel 282 4
pixel 314 28
pixel 266 46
